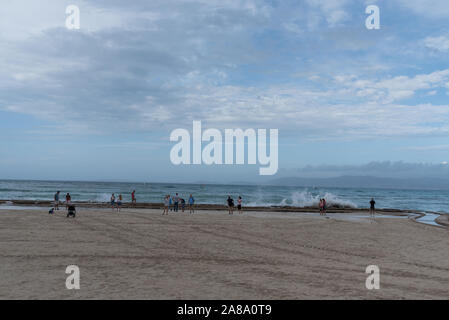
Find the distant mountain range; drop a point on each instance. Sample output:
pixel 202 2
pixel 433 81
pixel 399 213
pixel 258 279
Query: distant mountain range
pixel 364 182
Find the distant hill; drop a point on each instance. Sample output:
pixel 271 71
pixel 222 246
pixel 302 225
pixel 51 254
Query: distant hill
pixel 364 182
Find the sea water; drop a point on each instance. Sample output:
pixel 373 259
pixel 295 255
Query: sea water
pixel 253 195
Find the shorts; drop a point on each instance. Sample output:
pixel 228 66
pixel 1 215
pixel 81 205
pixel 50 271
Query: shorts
pixel 119 203
pixel 239 207
pixel 112 203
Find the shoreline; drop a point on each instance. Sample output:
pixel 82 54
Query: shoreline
pixel 442 221
pixel 203 206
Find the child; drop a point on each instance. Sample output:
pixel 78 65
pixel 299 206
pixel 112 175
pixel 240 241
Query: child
pixel 166 204
pixel 239 204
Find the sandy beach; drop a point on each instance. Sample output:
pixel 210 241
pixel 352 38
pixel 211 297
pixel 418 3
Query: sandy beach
pixel 139 254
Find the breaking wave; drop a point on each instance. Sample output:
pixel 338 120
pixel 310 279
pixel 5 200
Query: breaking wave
pixel 307 199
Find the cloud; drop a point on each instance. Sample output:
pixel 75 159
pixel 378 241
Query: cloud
pixel 440 43
pixel 393 89
pixel 334 11
pixel 155 65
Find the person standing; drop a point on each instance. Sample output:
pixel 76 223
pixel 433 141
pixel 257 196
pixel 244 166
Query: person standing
pixel 119 202
pixel 321 207
pixel 57 200
pixel 191 204
pixel 133 198
pixel 230 205
pixel 183 204
pixel 324 207
pixel 112 201
pixel 170 202
pixel 68 200
pixel 166 204
pixel 176 202
pixel 372 208
pixel 239 204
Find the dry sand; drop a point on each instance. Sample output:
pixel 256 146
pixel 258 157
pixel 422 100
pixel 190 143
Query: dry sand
pixel 139 254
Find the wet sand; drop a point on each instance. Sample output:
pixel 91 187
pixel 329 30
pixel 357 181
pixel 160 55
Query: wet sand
pixel 139 254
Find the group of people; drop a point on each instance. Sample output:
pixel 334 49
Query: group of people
pixel 68 200
pixel 71 211
pixel 116 202
pixel 172 203
pixel 231 205
pixel 322 206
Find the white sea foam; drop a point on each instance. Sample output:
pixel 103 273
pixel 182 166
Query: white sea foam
pixel 103 197
pixel 301 199
pixel 307 199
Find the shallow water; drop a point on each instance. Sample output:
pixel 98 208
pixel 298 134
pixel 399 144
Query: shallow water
pixel 429 218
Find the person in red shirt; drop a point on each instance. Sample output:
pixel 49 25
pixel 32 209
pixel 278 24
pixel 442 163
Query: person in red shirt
pixel 133 197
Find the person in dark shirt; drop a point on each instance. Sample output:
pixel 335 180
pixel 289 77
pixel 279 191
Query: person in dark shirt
pixel 230 205
pixel 372 208
pixel 176 203
pixel 57 200
pixel 183 204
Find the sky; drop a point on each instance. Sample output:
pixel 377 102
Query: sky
pixel 99 103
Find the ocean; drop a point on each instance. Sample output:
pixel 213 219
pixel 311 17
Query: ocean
pixel 422 200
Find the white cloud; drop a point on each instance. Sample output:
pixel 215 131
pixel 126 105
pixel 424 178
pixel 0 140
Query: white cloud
pixel 440 43
pixel 393 89
pixel 174 62
pixel 333 11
